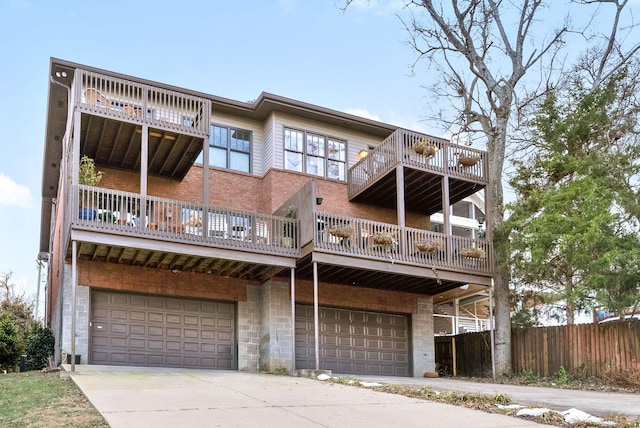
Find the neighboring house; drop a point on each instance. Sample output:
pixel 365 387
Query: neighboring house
pixel 254 236
pixel 465 309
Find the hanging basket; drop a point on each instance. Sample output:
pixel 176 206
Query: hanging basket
pixel 383 239
pixel 468 160
pixel 428 246
pixel 341 231
pixel 424 147
pixel 474 253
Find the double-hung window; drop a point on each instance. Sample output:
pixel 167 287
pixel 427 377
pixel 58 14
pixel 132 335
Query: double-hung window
pixel 229 148
pixel 314 154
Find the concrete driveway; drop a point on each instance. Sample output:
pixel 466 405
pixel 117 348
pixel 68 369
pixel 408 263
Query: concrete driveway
pixel 142 397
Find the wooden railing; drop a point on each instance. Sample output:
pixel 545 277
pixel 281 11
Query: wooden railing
pixel 135 102
pixel 421 152
pixel 382 241
pixel 150 216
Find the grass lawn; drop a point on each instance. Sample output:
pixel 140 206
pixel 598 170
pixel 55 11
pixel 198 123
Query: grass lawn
pixel 35 399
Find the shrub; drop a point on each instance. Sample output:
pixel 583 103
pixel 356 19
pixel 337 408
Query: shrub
pixel 10 344
pixel 40 346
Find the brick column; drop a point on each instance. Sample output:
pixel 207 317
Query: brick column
pixel 249 318
pixel 424 355
pixel 275 333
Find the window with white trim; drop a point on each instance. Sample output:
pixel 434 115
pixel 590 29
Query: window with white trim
pixel 229 148
pixel 315 154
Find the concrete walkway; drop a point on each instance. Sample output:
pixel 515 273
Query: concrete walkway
pixel 593 402
pixel 141 397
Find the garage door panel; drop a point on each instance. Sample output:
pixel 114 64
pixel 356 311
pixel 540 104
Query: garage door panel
pixel 138 360
pixel 137 300
pixel 191 347
pixel 118 342
pixel 156 331
pixel 138 344
pixel 173 332
pixel 173 319
pixel 173 304
pixel 119 299
pixel 117 314
pixel 118 328
pixel 156 317
pixel 138 316
pixel 138 330
pixel 223 323
pixel 208 335
pixel 207 322
pixel 191 320
pixel 353 342
pixel 224 335
pixel 155 360
pixel 173 346
pixel 160 331
pixel 190 333
pixel 118 357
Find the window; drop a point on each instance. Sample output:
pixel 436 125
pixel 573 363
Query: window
pixel 314 154
pixel 229 148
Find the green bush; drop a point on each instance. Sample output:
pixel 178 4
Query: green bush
pixel 40 345
pixel 10 344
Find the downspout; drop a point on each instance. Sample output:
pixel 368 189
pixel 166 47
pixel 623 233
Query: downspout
pixel 61 290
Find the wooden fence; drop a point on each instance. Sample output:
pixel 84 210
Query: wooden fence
pixel 582 350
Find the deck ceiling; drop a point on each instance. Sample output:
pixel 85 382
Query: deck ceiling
pixel 175 262
pixel 422 191
pixel 360 277
pixel 116 144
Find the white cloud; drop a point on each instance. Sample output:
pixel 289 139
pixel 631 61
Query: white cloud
pixel 379 6
pixel 14 194
pixel 362 113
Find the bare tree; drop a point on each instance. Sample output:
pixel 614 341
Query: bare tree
pixel 482 50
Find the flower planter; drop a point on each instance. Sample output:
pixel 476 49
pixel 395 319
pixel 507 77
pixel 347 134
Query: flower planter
pixel 474 253
pixel 468 160
pixel 383 239
pixel 428 246
pixel 341 231
pixel 425 148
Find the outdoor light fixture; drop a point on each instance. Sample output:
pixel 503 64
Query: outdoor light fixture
pixel 318 201
pixel 362 154
pixel 480 220
pixel 61 74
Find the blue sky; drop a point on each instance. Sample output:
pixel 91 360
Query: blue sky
pixel 308 50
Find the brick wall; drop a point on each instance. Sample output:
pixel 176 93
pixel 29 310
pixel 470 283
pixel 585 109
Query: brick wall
pixel 358 297
pixel 244 191
pixel 160 281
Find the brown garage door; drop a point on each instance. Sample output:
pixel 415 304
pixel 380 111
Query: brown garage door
pixel 353 342
pixel 143 330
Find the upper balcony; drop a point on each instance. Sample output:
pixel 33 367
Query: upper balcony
pixel 356 251
pixel 113 111
pixel 425 161
pixel 129 228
